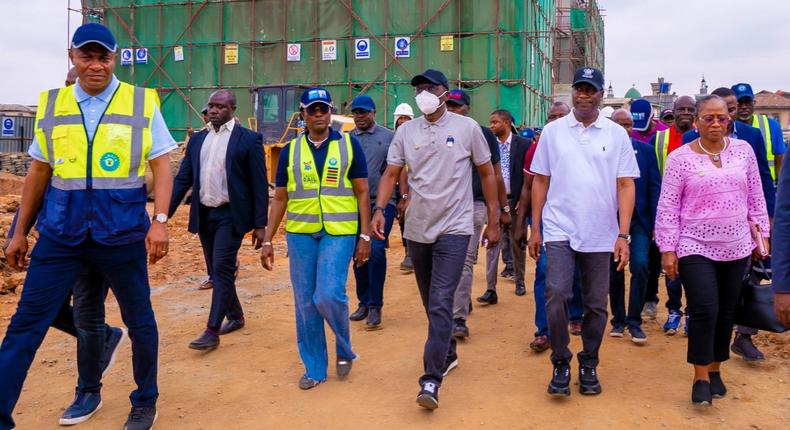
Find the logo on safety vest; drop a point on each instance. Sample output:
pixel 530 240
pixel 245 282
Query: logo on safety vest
pixel 308 165
pixel 333 161
pixel 110 162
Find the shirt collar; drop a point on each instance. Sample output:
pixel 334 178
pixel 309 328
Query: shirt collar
pixel 440 122
pixel 573 122
pixel 227 126
pixel 508 140
pixel 372 130
pixel 104 96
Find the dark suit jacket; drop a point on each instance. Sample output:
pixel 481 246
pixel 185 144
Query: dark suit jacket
pixel 248 187
pixel 518 150
pixel 755 139
pixel 780 236
pixel 648 186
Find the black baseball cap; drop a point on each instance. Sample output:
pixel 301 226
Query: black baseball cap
pixel 430 76
pixel 589 75
pixel 458 97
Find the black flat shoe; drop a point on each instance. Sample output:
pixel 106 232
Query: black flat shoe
pixel 700 393
pixel 488 297
pixel 231 326
pixel 717 387
pixel 521 289
pixel 374 319
pixel 360 314
pixel 206 342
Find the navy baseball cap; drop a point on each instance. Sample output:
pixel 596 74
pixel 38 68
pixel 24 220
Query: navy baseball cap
pixel 205 109
pixel 528 133
pixel 589 75
pixel 743 91
pixel 94 33
pixel 315 95
pixel 642 112
pixel 363 102
pixel 458 97
pixel 430 76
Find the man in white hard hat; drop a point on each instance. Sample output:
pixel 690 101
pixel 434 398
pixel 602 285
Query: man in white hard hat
pixel 402 114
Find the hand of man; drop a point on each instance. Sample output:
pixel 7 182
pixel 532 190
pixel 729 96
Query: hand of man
pixel 505 219
pixel 16 252
pixel 156 242
pixel 782 308
pixel 257 237
pixel 401 207
pixel 669 262
pixel 622 253
pixel 534 244
pixel 267 257
pixel 491 235
pixel 377 225
pixel 519 233
pixel 756 255
pixel 363 252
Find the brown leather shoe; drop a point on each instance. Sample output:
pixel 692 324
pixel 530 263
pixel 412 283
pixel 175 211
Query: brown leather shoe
pixel 540 344
pixel 576 328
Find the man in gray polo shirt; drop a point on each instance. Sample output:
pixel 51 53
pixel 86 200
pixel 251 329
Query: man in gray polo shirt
pixel 441 149
pixel 375 141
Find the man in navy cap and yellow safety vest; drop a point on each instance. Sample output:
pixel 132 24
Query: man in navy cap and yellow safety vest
pixel 88 179
pixel 770 129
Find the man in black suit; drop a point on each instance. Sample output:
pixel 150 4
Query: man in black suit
pixel 512 149
pixel 225 168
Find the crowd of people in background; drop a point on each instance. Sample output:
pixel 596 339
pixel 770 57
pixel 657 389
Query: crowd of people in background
pixel 689 195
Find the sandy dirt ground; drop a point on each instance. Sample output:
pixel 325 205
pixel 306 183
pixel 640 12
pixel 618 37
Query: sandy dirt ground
pixel 250 382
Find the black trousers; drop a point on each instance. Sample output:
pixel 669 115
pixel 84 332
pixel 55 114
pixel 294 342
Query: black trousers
pixel 712 291
pixel 221 245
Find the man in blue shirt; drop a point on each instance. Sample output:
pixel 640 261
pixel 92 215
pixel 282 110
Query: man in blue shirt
pixel 769 127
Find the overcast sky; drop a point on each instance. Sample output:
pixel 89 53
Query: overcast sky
pixel 728 41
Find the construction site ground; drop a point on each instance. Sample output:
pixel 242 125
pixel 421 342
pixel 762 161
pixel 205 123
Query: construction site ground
pixel 250 382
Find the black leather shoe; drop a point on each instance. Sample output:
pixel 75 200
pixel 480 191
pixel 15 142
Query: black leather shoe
pixel 521 289
pixel 231 326
pixel 374 319
pixel 206 342
pixel 360 314
pixel 489 297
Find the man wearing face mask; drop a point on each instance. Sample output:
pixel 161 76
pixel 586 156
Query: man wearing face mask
pixel 440 149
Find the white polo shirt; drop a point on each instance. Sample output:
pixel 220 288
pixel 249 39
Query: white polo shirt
pixel 584 164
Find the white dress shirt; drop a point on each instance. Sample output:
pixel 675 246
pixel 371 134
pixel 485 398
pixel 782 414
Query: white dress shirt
pixel 504 160
pixel 213 176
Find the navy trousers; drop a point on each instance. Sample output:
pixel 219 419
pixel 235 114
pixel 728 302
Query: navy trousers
pixel 221 245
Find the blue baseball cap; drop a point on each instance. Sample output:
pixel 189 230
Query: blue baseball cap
pixel 642 112
pixel 743 91
pixel 528 133
pixel 363 102
pixel 94 33
pixel 315 95
pixel 431 76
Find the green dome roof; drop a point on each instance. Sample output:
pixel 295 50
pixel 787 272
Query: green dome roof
pixel 633 93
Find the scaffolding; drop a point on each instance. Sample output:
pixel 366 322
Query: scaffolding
pixel 579 39
pixel 500 51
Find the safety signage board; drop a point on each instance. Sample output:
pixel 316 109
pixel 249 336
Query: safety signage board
pixel 402 47
pixel 126 56
pixel 447 43
pixel 294 52
pixel 8 127
pixel 232 53
pixel 362 49
pixel 141 55
pixel 178 53
pixel 329 50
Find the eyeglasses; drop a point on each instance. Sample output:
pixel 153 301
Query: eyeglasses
pixel 709 119
pixel 317 109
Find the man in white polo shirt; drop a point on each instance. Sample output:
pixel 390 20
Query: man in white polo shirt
pixel 584 170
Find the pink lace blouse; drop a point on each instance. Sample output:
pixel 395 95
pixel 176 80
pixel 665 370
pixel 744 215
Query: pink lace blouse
pixel 705 210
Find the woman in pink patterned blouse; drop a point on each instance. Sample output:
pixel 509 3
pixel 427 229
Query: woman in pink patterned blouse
pixel 710 196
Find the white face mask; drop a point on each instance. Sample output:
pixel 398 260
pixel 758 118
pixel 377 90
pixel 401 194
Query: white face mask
pixel 428 102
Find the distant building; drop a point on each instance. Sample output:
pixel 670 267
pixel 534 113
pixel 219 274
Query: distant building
pixel 775 105
pixel 16 123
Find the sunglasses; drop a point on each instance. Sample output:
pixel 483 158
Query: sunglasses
pixel 317 109
pixel 709 119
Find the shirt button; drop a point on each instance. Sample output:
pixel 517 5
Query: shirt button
pixel 93 120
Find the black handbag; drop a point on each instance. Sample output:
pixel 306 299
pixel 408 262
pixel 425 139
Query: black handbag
pixel 755 307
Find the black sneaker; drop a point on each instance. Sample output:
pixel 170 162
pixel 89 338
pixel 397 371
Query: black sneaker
pixel 744 347
pixel 141 418
pixel 428 396
pixel 717 387
pixel 450 363
pixel 460 330
pixel 560 380
pixel 588 381
pixel 700 393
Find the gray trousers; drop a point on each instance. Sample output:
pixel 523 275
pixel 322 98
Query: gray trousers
pixel 492 258
pixel 561 260
pixel 463 294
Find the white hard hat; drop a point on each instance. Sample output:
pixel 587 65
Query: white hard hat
pixel 607 111
pixel 404 109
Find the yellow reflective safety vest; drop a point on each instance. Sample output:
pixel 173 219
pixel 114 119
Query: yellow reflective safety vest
pixel 761 122
pixel 662 149
pixel 327 202
pixel 97 188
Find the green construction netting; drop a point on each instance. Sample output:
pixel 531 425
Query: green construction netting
pixel 502 50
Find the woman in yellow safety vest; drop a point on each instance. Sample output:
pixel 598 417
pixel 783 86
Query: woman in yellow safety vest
pixel 322 184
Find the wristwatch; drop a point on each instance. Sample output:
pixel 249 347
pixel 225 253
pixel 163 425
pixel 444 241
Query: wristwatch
pixel 162 218
pixel 627 237
pixel 506 209
pixel 364 237
pixel 378 208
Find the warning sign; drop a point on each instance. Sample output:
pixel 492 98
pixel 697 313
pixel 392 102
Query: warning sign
pixel 232 53
pixel 402 47
pixel 329 50
pixel 126 56
pixel 178 53
pixel 141 55
pixel 294 52
pixel 447 43
pixel 362 49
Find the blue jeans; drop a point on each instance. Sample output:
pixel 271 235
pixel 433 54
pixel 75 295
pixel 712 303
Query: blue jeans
pixel 575 307
pixel 319 270
pixel 370 276
pixel 639 266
